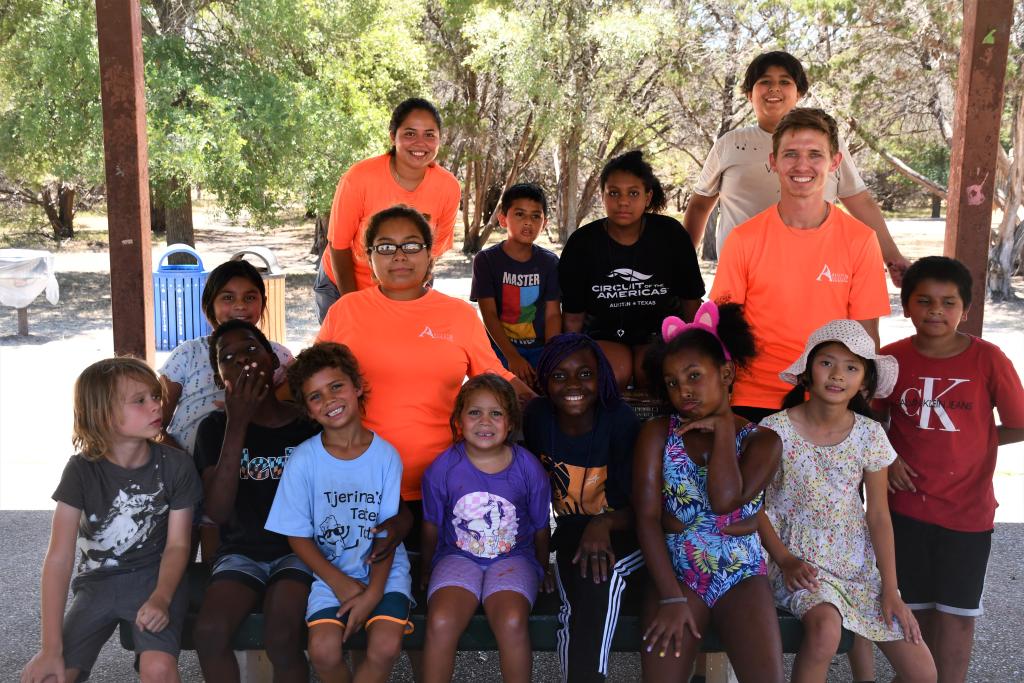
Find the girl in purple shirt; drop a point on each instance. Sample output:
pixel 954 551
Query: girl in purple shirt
pixel 485 531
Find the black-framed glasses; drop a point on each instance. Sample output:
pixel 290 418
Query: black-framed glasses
pixel 390 248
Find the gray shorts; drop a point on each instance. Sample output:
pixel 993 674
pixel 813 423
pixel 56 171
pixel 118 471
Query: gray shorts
pixel 99 604
pixel 257 574
pixel 325 293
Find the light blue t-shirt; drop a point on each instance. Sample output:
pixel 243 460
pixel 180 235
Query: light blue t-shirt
pixel 336 502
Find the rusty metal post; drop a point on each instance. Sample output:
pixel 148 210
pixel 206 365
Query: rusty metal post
pixel 118 27
pixel 979 104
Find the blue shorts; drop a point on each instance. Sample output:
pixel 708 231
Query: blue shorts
pixel 257 574
pixel 392 607
pixel 531 355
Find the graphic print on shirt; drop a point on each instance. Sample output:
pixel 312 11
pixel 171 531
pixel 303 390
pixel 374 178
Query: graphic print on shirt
pixel 576 490
pixel 261 468
pixel 831 276
pixel 519 295
pixel 354 514
pixel 128 523
pixel 485 524
pixel 632 286
pixel 929 401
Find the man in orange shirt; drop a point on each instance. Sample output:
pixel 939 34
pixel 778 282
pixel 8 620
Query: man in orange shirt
pixel 798 264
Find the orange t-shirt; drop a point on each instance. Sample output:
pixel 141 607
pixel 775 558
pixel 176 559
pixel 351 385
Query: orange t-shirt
pixel 791 282
pixel 369 187
pixel 414 356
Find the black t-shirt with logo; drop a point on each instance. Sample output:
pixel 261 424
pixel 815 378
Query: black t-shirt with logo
pixel 626 291
pixel 264 454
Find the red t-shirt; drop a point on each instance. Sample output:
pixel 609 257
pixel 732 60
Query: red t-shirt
pixel 943 427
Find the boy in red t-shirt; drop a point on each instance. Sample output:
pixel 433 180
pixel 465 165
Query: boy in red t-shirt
pixel 941 494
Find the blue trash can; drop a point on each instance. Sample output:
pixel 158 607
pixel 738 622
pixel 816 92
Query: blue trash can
pixel 177 299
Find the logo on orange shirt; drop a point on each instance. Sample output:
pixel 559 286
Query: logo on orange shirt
pixel 827 274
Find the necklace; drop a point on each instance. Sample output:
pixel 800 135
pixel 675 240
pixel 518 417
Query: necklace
pixel 621 331
pixel 400 179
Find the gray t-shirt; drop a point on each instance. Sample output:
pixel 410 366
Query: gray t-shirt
pixel 124 512
pixel 737 170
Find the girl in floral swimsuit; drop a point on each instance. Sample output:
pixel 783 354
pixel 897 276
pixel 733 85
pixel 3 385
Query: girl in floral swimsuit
pixel 699 479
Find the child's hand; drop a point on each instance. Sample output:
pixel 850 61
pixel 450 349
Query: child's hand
pixel 345 588
pixel 743 527
pixel 357 608
pixel 899 476
pixel 893 607
pixel 242 397
pixel 153 615
pixel 595 549
pixel 665 632
pixel 548 584
pixel 396 529
pixel 45 667
pixel 521 368
pixel 799 574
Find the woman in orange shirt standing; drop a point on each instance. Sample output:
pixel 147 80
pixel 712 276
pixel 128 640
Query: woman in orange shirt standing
pixel 406 174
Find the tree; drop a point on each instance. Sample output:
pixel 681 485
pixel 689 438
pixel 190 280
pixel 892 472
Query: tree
pixel 50 115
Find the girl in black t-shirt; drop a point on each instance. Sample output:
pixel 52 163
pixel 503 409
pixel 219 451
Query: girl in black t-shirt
pixel 622 275
pixel 584 435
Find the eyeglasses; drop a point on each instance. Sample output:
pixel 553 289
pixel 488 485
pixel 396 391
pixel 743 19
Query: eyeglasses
pixel 390 249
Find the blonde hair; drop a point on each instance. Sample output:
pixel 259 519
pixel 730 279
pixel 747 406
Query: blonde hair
pixel 97 395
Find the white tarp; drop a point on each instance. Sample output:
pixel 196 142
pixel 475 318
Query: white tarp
pixel 24 273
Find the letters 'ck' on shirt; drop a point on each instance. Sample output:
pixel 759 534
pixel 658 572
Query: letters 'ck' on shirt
pixel 737 170
pixel 123 526
pixel 485 516
pixel 369 187
pixel 520 291
pixel 414 356
pixel 942 426
pixel 791 282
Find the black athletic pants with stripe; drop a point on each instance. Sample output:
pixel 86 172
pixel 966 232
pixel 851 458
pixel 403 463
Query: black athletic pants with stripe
pixel 590 611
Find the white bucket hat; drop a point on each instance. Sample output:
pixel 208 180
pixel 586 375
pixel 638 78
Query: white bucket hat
pixel 853 336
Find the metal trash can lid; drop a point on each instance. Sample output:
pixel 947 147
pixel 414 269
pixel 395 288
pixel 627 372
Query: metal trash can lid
pixel 180 248
pixel 270 267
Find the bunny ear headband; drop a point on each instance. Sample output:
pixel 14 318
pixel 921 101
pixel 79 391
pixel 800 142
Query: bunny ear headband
pixel 705 319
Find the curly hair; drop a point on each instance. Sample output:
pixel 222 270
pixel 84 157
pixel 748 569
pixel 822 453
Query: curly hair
pixel 325 355
pixel 634 164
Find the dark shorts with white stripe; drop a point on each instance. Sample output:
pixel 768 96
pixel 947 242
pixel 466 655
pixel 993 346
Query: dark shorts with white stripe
pixel 590 611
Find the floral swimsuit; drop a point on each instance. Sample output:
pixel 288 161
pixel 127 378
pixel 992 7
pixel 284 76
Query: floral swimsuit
pixel 708 561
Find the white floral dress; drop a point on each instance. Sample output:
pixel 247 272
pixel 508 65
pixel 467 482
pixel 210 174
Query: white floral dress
pixel 814 504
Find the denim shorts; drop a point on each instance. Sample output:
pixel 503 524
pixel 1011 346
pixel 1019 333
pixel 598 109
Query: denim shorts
pixel 257 574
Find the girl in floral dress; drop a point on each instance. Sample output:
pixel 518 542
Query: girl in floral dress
pixel 832 562
pixel 699 478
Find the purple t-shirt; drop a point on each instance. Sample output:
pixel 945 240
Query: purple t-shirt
pixel 486 516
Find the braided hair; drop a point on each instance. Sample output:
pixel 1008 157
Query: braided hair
pixel 564 345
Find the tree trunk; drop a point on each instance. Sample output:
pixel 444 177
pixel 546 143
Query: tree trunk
pixel 709 247
pixel 320 234
pixel 59 205
pixel 1008 244
pixel 936 206
pixel 172 207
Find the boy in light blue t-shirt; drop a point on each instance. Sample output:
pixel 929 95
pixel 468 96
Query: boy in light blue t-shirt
pixel 337 489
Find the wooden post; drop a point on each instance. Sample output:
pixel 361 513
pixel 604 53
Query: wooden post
pixel 118 27
pixel 979 103
pixel 23 322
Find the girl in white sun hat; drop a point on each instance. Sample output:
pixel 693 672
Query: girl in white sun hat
pixel 832 561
